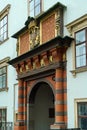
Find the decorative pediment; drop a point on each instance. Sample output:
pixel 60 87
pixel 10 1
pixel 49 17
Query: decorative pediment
pixel 77 24
pixel 5 11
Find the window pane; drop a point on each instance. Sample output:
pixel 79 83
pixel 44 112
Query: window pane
pixel 1 23
pixel 82 115
pixel 81 49
pixel 81 61
pixel 1 38
pixel 32 13
pixel 5 28
pixel 34 7
pixel 31 5
pixel 4 70
pixel 4 81
pixel 37 2
pixel 5 35
pixel 3 77
pixel 0 81
pixel 82 109
pixel 37 10
pixel 3 115
pixel 2 31
pixel 83 123
pixel 5 20
pixel 3 112
pixel 80 36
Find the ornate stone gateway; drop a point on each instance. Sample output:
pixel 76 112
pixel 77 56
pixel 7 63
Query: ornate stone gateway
pixel 41 72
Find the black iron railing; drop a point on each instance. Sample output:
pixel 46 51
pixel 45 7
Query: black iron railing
pixel 6 126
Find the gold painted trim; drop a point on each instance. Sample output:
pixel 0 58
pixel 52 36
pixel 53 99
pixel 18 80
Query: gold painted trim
pixel 40 33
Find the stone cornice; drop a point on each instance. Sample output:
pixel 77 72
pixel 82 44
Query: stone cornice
pixel 53 43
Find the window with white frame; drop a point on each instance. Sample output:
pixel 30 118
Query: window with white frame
pixel 35 7
pixel 4 24
pixel 3 114
pixel 81 48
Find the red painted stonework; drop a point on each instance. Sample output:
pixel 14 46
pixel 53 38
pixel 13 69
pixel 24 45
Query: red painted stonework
pixel 24 43
pixel 48 28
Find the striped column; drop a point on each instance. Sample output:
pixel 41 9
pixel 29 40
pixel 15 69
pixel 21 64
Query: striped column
pixel 20 103
pixel 25 104
pixel 59 100
pixel 65 95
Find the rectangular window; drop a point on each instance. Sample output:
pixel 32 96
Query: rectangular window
pixel 3 77
pixel 82 115
pixel 34 7
pixel 81 54
pixel 4 28
pixel 3 114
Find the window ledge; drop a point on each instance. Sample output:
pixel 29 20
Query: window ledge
pixel 78 70
pixel 1 42
pixel 4 89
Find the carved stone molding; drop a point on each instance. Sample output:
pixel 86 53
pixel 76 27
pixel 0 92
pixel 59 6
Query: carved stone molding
pixel 59 22
pixel 77 24
pixel 4 61
pixel 79 70
pixel 34 32
pixel 5 11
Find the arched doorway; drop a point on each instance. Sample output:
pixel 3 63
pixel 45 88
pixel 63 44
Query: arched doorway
pixel 41 107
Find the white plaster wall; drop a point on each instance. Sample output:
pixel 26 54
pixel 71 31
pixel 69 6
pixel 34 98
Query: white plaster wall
pixel 76 88
pixel 16 19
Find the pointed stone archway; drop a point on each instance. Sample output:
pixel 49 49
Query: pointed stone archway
pixel 41 107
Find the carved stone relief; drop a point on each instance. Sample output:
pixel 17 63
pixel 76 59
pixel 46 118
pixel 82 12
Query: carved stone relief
pixel 34 32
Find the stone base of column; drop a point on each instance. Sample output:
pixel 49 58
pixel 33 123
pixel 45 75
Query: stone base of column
pixel 58 126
